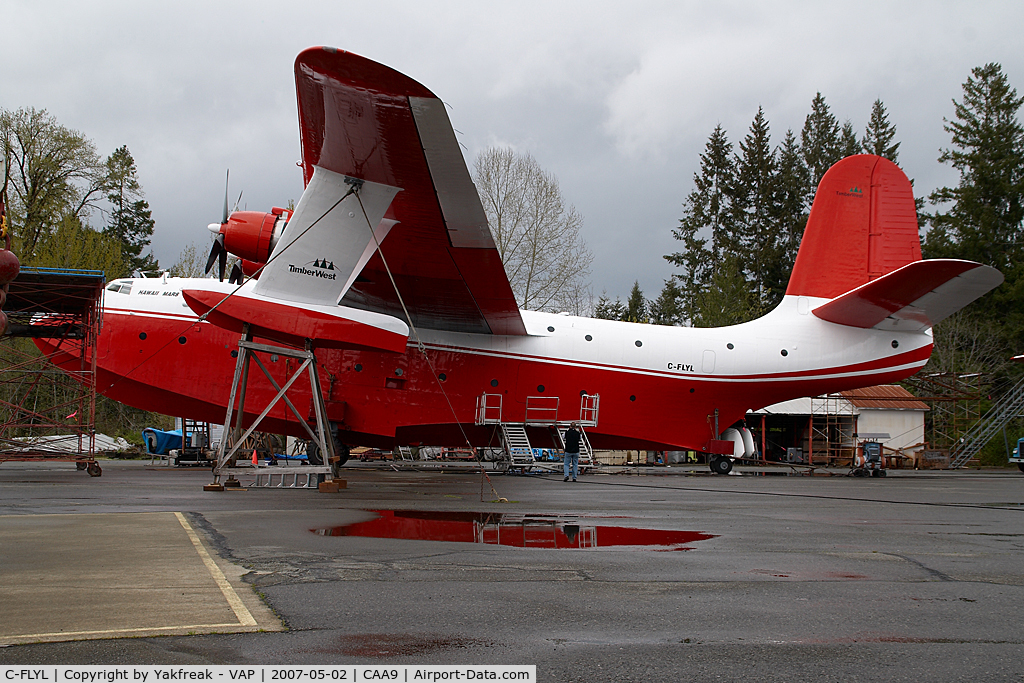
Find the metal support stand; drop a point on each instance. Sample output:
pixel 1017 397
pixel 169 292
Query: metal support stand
pixel 232 438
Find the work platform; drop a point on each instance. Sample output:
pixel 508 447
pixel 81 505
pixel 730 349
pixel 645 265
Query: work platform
pixel 540 413
pixel 42 407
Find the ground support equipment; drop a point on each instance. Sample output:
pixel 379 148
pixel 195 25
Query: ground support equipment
pixel 48 414
pixel 233 439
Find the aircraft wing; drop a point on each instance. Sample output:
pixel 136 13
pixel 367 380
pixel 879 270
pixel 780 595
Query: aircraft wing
pixel 912 298
pixel 363 120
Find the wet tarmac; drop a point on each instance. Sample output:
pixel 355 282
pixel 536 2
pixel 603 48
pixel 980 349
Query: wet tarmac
pixel 917 576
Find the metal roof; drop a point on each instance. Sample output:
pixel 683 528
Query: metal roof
pixel 884 397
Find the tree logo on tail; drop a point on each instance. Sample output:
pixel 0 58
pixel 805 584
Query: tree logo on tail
pixel 321 268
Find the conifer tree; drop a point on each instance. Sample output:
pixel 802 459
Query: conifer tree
pixel 820 143
pixel 879 134
pixel 708 206
pixel 665 309
pixel 754 210
pixel 606 309
pixel 983 221
pixel 848 143
pixel 792 178
pixel 131 221
pixel 636 306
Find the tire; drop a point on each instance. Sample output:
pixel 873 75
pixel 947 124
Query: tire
pixel 721 465
pixel 315 457
pixel 94 469
pixel 313 454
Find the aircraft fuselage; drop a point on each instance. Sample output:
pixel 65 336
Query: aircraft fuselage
pixel 659 386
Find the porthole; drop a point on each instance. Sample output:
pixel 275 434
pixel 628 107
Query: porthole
pixel 692 390
pixel 442 377
pixel 540 388
pixel 632 398
pixel 494 382
pixel 234 354
pixel 359 367
pixel 182 340
pixel 589 338
pixel 638 343
pixel 730 346
pixel 785 352
pixel 142 336
pixel 273 358
pixel 550 329
pixel 583 392
pixel 398 372
pixel 895 344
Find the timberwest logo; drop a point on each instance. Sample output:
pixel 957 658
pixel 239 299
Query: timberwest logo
pixel 321 268
pixel 852 192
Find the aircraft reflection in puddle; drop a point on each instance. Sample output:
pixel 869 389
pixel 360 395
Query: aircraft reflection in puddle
pixel 520 531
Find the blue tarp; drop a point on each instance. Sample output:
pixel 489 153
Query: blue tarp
pixel 160 442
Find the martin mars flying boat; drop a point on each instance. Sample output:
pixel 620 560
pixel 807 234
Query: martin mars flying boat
pixel 388 271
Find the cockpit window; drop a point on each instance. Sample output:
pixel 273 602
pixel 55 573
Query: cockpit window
pixel 120 287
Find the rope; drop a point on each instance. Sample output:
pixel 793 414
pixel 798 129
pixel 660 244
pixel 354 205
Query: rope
pixel 423 351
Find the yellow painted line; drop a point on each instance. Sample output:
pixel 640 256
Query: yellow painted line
pixel 244 618
pixel 115 631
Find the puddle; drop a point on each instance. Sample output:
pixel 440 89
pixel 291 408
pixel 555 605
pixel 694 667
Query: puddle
pixel 520 531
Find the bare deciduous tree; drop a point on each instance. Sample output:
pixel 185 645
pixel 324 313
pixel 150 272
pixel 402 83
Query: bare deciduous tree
pixel 537 235
pixel 189 263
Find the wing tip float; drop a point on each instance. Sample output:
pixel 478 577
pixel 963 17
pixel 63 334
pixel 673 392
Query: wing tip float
pixel 337 327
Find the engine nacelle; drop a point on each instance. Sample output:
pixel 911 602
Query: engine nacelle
pixel 252 235
pixel 252 268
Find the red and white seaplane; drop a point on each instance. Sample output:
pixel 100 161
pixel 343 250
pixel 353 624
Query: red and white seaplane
pixel 387 272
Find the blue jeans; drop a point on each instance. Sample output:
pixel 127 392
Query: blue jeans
pixel 571 460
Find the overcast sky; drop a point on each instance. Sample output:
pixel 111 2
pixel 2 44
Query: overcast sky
pixel 616 99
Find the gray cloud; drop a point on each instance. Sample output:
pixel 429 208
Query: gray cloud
pixel 616 101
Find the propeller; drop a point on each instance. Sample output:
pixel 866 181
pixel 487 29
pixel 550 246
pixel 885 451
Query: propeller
pixel 218 252
pixel 236 276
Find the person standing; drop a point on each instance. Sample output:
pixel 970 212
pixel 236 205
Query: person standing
pixel 571 460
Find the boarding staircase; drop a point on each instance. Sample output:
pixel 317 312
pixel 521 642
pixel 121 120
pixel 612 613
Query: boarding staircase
pixel 1001 412
pixel 517 444
pixel 540 411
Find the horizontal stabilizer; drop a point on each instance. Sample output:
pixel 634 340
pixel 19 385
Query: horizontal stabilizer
pixel 914 297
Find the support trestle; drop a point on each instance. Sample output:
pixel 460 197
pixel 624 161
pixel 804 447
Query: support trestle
pixel 233 438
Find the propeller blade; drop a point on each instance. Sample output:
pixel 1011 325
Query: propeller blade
pixel 217 250
pixel 222 266
pixel 227 177
pixel 237 202
pixel 236 276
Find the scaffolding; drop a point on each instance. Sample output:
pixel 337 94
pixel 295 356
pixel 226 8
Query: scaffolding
pixel 48 413
pixel 955 400
pixel 831 430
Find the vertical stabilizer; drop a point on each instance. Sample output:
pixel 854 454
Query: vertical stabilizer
pixel 863 225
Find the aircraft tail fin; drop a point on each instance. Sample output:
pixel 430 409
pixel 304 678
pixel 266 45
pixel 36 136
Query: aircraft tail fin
pixel 863 225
